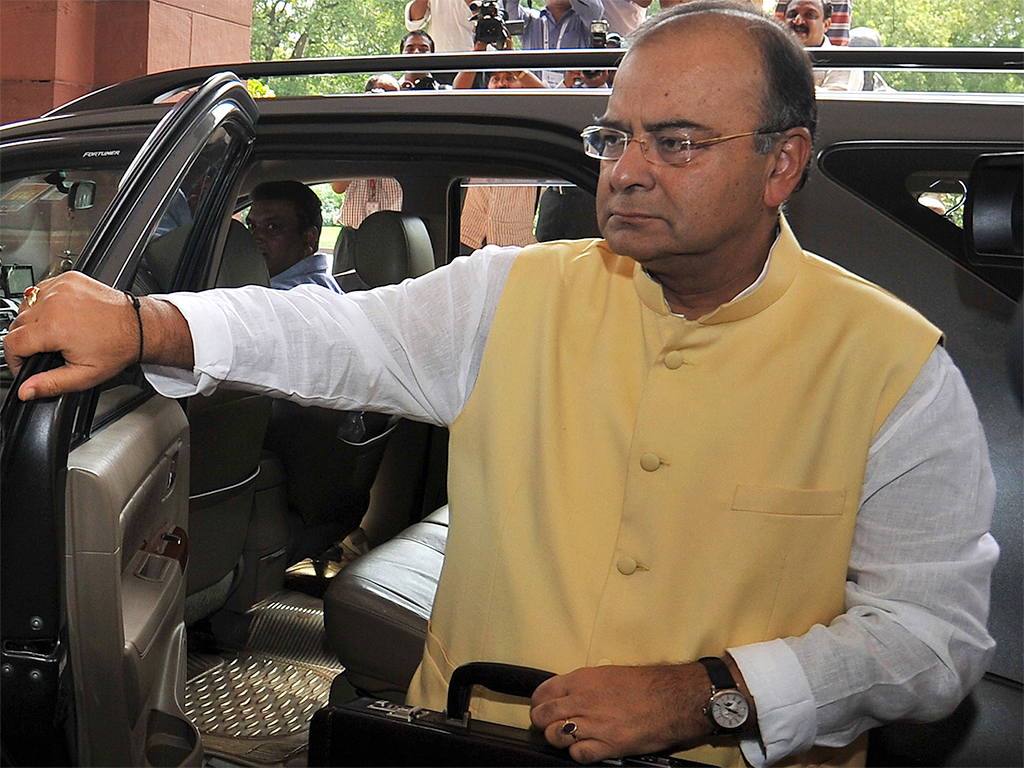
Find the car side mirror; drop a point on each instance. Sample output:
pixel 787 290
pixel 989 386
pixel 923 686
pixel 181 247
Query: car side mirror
pixel 82 195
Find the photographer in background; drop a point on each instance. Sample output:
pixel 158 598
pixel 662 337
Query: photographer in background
pixel 560 24
pixel 600 37
pixel 416 43
pixel 499 79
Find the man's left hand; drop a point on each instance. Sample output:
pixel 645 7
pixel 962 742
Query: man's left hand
pixel 620 711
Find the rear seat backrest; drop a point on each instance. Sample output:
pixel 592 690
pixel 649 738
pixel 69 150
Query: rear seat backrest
pixel 391 246
pixel 331 458
pixel 227 431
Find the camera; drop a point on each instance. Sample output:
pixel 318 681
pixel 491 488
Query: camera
pixel 600 37
pixel 426 83
pixel 490 24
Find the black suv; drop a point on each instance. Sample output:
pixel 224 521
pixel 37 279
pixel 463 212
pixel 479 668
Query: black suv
pixel 115 653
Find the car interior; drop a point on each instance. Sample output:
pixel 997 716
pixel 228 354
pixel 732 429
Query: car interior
pixel 234 562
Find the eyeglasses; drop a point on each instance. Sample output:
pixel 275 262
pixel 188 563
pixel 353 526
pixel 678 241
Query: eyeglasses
pixel 666 147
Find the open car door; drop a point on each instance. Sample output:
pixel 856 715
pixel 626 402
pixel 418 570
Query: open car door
pixel 94 492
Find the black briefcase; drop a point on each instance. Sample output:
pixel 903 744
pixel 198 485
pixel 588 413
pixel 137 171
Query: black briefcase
pixel 371 732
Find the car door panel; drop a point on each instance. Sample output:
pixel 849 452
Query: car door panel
pixel 125 493
pixel 95 492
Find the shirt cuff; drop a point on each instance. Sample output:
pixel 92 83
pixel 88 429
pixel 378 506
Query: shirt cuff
pixel 786 714
pixel 212 350
pixel 414 25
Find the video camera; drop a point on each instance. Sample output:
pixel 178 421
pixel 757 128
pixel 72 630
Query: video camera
pixel 491 25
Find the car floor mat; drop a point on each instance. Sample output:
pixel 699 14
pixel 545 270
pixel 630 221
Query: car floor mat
pixel 252 704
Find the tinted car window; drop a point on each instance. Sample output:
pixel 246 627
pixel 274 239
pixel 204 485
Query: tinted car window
pixel 45 220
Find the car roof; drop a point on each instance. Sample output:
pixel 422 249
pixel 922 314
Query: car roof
pixel 163 85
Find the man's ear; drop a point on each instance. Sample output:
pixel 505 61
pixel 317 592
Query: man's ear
pixel 792 154
pixel 827 24
pixel 311 239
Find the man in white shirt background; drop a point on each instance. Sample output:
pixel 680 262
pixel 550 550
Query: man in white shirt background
pixel 625 15
pixel 448 21
pixel 810 21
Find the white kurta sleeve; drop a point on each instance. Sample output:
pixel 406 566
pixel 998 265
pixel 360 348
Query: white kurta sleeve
pixel 412 349
pixel 913 639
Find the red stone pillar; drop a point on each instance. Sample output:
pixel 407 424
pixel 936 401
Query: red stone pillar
pixel 52 51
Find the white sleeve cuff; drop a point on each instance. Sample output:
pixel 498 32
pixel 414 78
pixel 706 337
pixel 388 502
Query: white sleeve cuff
pixel 786 714
pixel 212 349
pixel 414 25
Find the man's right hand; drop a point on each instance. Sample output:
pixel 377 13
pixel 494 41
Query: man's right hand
pixel 96 330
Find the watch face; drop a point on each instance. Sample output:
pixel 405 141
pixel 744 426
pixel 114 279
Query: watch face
pixel 729 709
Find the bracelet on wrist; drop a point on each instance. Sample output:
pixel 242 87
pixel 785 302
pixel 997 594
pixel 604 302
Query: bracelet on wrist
pixel 138 316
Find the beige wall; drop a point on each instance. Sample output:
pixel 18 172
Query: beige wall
pixel 52 51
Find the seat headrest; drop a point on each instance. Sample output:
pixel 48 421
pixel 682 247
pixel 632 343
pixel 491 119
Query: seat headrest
pixel 242 262
pixel 391 246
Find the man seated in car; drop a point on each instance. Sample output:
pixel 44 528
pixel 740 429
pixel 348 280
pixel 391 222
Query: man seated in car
pixel 285 219
pixel 810 21
pixel 737 497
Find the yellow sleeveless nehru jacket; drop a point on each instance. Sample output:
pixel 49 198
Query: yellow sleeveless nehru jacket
pixel 630 487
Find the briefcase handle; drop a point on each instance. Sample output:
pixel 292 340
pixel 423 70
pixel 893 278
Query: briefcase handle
pixel 510 679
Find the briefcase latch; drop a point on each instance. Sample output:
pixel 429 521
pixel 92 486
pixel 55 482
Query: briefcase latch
pixel 399 711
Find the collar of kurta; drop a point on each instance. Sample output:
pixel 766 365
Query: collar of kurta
pixel 783 260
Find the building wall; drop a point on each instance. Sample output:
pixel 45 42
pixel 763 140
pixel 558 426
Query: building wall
pixel 52 51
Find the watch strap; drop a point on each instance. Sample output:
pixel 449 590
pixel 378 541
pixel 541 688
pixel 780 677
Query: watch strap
pixel 718 672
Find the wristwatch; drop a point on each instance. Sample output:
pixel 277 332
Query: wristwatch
pixel 728 709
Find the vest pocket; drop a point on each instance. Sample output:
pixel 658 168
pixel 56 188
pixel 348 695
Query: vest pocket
pixel 788 501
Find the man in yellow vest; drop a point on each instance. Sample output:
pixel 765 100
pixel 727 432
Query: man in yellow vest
pixel 737 497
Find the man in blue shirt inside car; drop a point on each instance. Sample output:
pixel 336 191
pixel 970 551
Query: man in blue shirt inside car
pixel 285 220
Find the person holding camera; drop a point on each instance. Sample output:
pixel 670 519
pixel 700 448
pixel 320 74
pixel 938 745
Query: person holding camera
pixel 560 24
pixel 450 22
pixel 600 37
pixel 414 43
pixel 497 79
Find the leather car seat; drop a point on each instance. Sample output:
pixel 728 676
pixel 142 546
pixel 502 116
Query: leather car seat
pixel 376 609
pixel 227 431
pixel 391 246
pixel 226 434
pixel 331 458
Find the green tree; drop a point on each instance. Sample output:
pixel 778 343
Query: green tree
pixel 942 24
pixel 292 29
pixel 284 29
